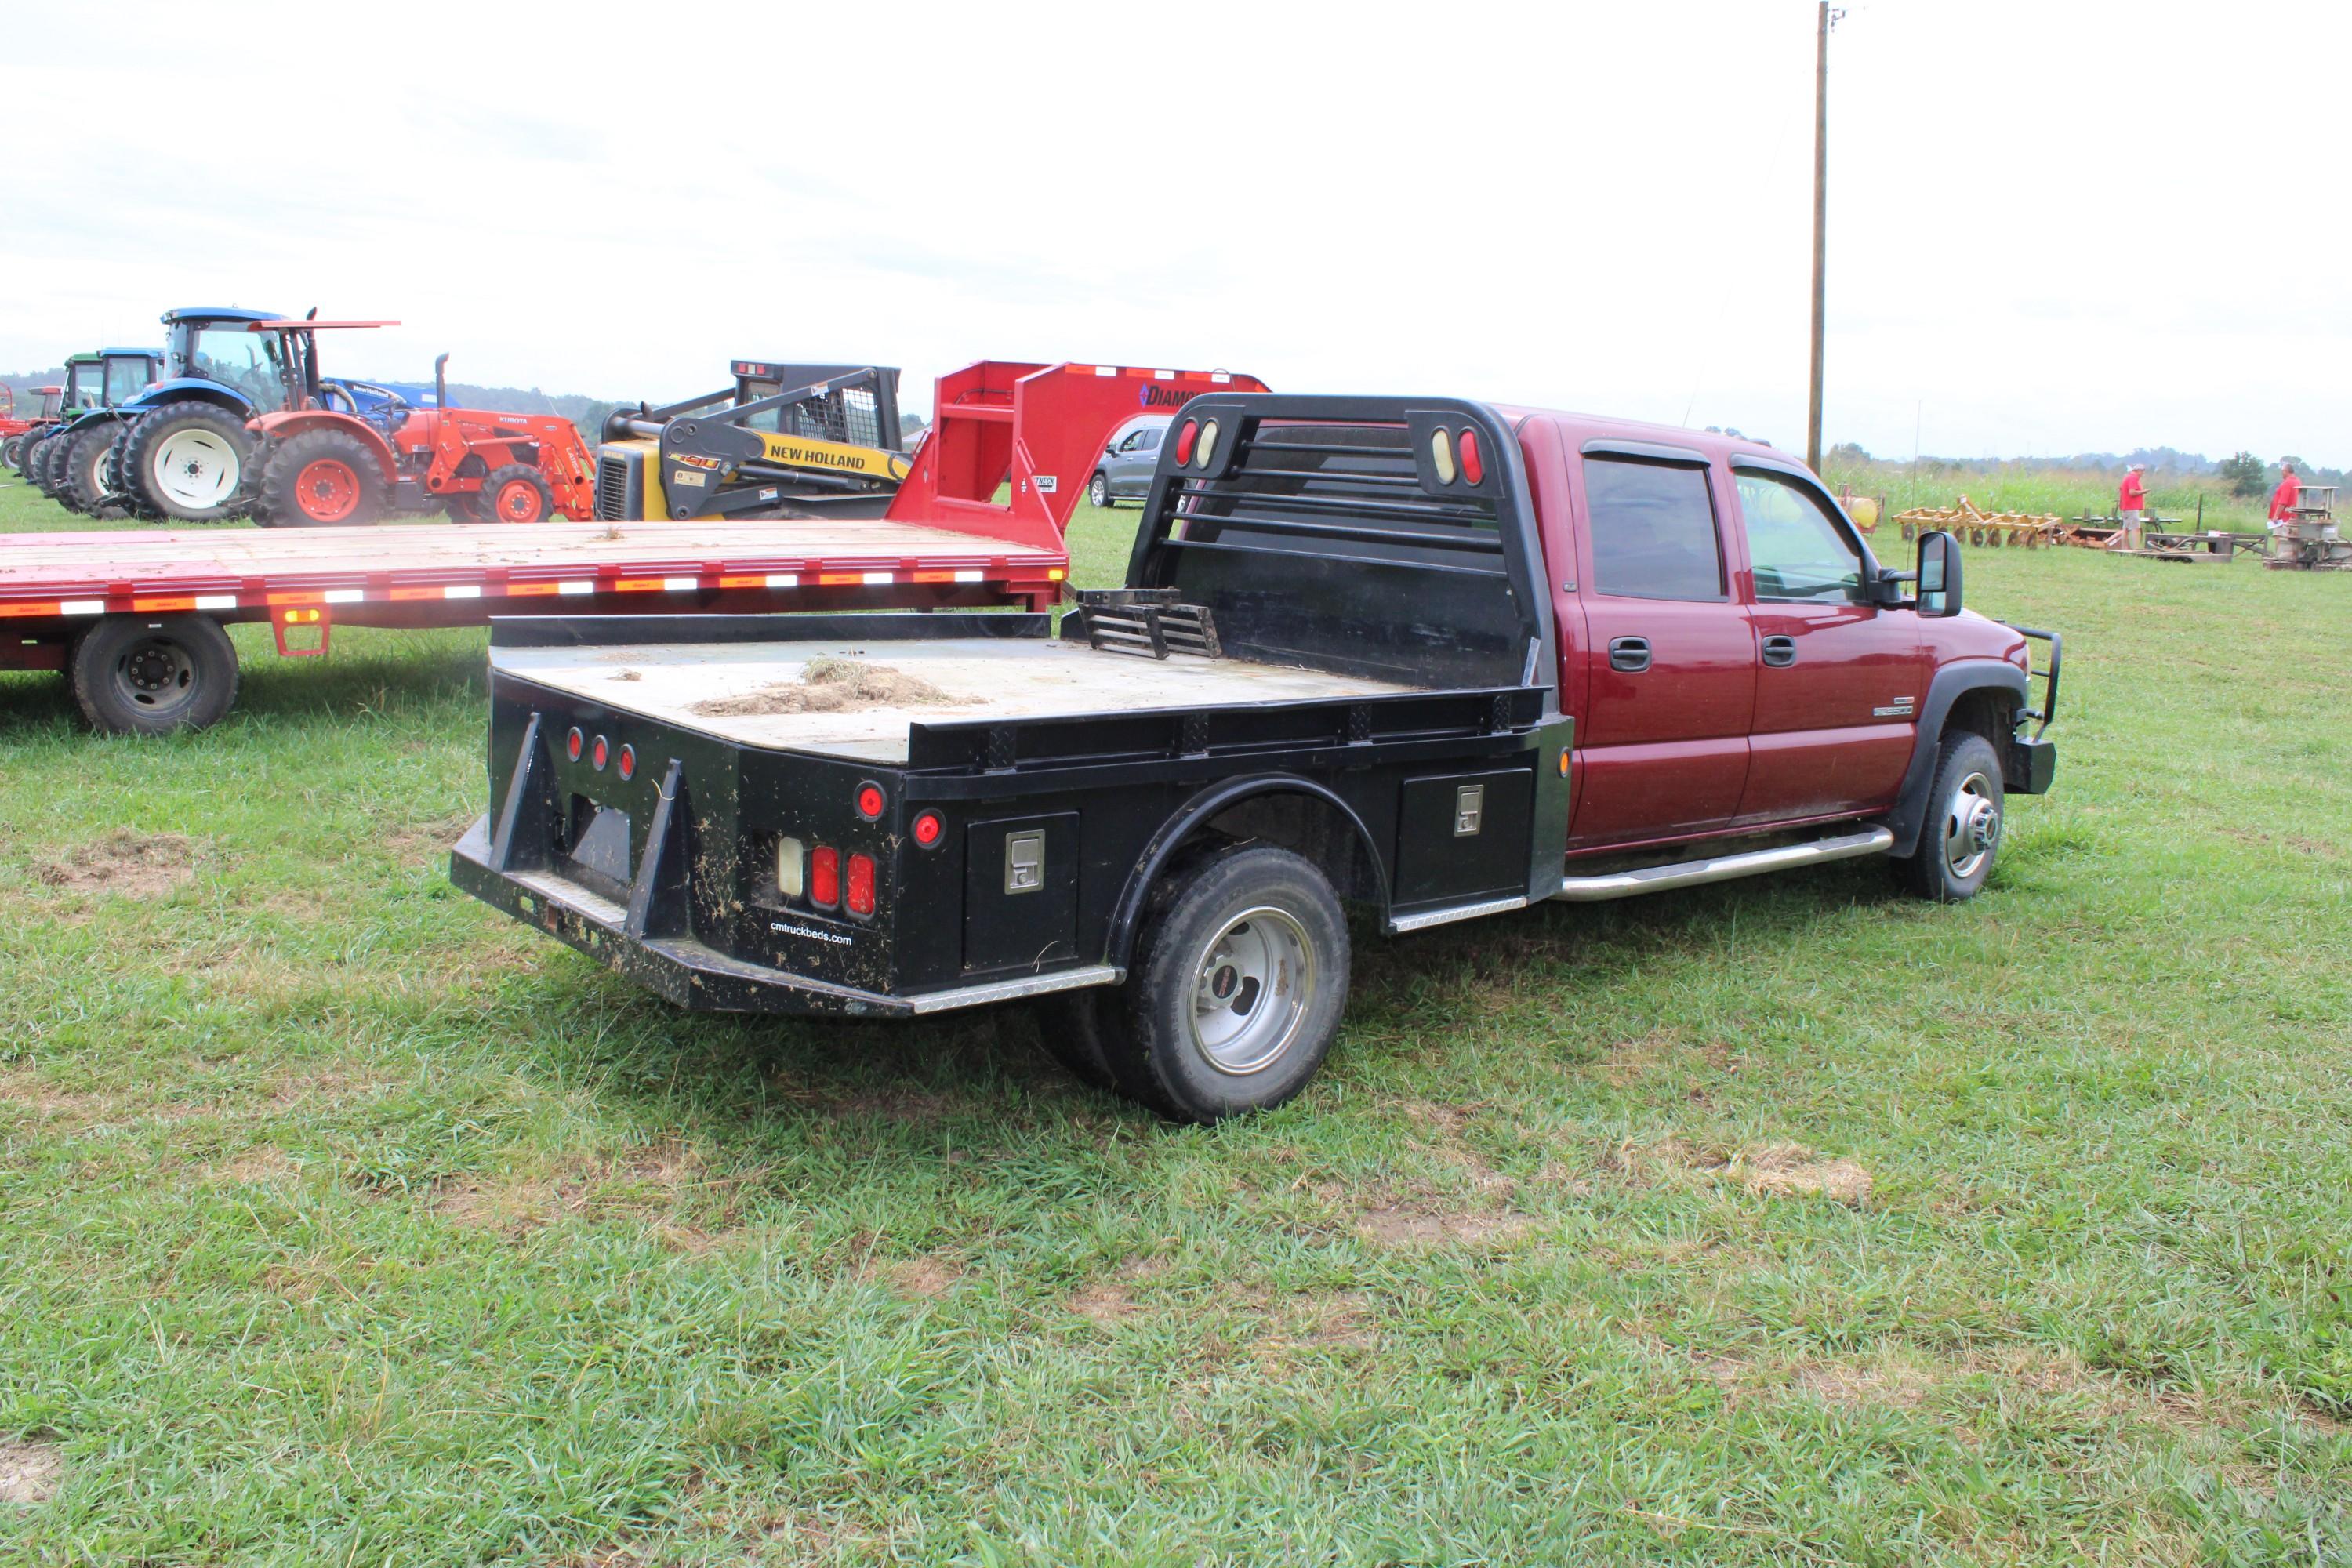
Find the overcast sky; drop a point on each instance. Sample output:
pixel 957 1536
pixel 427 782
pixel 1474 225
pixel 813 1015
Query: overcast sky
pixel 2054 226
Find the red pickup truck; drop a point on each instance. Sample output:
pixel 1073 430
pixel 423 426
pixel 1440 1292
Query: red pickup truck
pixel 1431 657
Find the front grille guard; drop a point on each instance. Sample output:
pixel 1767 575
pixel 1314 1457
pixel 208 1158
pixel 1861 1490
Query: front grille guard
pixel 2049 677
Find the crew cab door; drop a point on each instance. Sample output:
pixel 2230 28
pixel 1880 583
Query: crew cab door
pixel 1669 657
pixel 1839 680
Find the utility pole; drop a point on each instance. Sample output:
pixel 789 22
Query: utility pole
pixel 1820 223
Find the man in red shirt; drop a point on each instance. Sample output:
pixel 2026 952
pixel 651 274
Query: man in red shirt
pixel 2284 498
pixel 2131 500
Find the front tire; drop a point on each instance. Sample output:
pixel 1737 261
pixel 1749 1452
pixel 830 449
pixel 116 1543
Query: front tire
pixel 1099 489
pixel 189 461
pixel 1238 987
pixel 137 675
pixel 515 493
pixel 45 474
pixel 320 478
pixel 1961 836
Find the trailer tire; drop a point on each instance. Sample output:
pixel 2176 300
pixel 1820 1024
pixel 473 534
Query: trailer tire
pixel 1098 491
pixel 142 675
pixel 516 492
pixel 1240 980
pixel 89 466
pixel 1961 834
pixel 190 461
pixel 320 478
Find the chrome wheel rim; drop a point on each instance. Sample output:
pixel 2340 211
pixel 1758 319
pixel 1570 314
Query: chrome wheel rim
pixel 196 469
pixel 1971 826
pixel 1251 986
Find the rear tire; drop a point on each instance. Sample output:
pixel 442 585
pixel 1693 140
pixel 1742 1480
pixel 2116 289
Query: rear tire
pixel 139 675
pixel 190 461
pixel 516 492
pixel 10 449
pixel 28 452
pixel 1239 984
pixel 1099 489
pixel 1078 1029
pixel 45 465
pixel 1961 836
pixel 320 478
pixel 89 469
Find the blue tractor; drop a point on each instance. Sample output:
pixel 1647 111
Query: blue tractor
pixel 180 449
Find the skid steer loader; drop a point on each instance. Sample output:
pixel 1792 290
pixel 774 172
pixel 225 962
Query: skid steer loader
pixel 785 440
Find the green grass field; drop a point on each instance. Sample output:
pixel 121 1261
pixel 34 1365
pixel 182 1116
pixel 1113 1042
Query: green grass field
pixel 347 1222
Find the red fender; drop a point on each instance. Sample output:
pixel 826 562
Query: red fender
pixel 280 426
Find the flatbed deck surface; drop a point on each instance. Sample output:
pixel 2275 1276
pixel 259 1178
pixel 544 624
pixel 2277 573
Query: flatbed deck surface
pixel 73 562
pixel 983 677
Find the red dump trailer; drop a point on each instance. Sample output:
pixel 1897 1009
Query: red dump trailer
pixel 134 618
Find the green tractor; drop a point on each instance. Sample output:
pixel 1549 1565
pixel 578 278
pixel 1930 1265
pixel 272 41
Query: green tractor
pixel 74 464
pixel 85 379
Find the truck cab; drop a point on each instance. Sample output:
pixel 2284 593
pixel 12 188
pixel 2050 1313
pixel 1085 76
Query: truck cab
pixel 1430 657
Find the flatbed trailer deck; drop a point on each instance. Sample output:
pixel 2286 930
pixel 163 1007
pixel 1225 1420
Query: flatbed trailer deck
pixel 133 617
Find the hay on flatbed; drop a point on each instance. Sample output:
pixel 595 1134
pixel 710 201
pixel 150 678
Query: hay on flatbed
pixel 828 686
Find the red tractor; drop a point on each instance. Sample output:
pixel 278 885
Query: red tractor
pixel 319 465
pixel 13 427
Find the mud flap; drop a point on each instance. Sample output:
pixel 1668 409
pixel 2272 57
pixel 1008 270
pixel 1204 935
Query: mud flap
pixel 658 893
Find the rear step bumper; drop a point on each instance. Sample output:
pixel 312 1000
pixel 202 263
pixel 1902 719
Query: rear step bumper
pixel 1723 868
pixel 696 976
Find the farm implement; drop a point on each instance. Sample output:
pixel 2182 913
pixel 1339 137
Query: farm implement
pixel 810 439
pixel 1974 525
pixel 2308 538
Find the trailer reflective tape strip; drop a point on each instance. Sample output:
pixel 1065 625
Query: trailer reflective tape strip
pixel 276 599
pixel 35 607
pixel 168 602
pixel 346 595
pixel 523 590
pixel 637 584
pixel 879 577
pixel 587 587
pixel 1163 375
pixel 462 591
pixel 966 575
pixel 679 585
pixel 216 601
pixel 81 606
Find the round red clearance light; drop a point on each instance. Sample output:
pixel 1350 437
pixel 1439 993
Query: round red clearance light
pixel 870 801
pixel 628 760
pixel 1473 465
pixel 600 753
pixel 573 742
pixel 929 830
pixel 1184 439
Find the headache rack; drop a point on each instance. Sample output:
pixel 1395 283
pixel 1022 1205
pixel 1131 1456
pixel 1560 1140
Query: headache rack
pixel 1389 537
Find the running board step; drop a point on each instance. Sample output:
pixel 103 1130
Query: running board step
pixel 1722 868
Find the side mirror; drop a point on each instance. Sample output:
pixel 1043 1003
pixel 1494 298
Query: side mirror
pixel 1939 575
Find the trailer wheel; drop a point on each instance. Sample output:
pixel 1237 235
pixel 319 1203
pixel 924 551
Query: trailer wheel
pixel 89 467
pixel 320 478
pixel 136 675
pixel 1962 835
pixel 1099 489
pixel 1237 989
pixel 189 461
pixel 517 492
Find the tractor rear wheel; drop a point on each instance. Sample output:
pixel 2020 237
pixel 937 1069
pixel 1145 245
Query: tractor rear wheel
pixel 10 448
pixel 320 478
pixel 516 492
pixel 28 451
pixel 189 461
pixel 88 485
pixel 51 474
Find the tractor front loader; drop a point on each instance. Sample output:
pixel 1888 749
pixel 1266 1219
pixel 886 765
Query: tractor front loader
pixel 320 466
pixel 809 440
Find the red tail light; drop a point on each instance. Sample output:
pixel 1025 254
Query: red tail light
pixel 870 801
pixel 1184 438
pixel 1474 465
pixel 573 744
pixel 599 754
pixel 825 876
pixel 861 884
pixel 928 828
pixel 628 762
